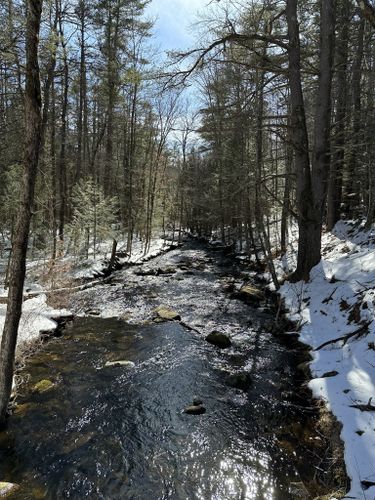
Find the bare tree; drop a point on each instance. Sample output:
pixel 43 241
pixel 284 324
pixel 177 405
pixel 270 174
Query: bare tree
pixel 21 233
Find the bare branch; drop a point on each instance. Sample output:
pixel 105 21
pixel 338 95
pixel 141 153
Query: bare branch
pixel 367 10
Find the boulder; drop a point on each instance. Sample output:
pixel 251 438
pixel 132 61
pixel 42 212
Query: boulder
pixel 167 314
pixel 120 362
pixel 241 380
pixel 219 339
pixel 43 386
pixel 195 410
pixel 8 489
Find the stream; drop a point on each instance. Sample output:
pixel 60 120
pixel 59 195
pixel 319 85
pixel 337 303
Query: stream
pixel 120 432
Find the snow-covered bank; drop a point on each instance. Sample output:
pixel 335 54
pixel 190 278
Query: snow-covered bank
pixel 36 318
pixel 340 300
pixel 87 268
pixel 36 313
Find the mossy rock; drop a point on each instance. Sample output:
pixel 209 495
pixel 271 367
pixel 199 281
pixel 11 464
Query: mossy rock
pixel 8 489
pixel 120 362
pixel 251 293
pixel 167 314
pixel 195 410
pixel 43 386
pixel 23 408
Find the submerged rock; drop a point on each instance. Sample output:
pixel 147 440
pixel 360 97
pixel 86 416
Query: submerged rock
pixel 43 386
pixel 77 441
pixel 197 401
pixel 167 314
pixel 195 410
pixel 219 339
pixel 8 489
pixel 241 380
pixel 120 362
pixel 166 270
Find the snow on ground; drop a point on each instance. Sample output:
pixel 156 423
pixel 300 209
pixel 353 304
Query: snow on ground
pixel 339 300
pixel 36 317
pixel 88 267
pixel 36 314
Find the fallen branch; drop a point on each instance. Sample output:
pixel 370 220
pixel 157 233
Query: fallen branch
pixel 363 407
pixel 189 327
pixel 357 333
pixel 328 299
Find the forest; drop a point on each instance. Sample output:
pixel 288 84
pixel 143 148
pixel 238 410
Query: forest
pixel 187 249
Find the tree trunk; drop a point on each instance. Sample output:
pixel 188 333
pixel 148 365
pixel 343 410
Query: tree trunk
pixel 20 241
pixel 287 192
pixel 82 106
pixel 308 255
pixel 321 156
pixel 63 132
pixel 337 165
pixel 311 184
pixel 353 181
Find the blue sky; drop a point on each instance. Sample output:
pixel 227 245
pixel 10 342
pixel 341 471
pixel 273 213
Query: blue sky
pixel 173 20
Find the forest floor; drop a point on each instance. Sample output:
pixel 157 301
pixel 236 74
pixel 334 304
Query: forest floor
pixel 335 313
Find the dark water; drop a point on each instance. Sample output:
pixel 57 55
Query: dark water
pixel 118 432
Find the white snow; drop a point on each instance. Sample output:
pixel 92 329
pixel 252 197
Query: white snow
pixel 343 284
pixel 87 268
pixel 36 317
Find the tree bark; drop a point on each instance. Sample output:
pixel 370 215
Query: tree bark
pixel 20 241
pixel 311 182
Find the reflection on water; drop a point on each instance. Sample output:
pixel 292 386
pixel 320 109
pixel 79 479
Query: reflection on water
pixel 121 433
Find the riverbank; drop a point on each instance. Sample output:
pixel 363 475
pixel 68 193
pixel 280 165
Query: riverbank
pixel 46 283
pixel 334 314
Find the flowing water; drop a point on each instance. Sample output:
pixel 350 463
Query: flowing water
pixel 119 432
